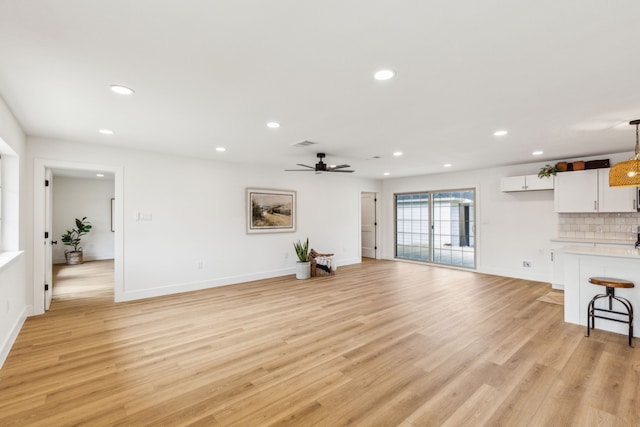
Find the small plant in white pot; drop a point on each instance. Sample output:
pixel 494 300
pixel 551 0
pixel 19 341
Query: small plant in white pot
pixel 72 238
pixel 303 266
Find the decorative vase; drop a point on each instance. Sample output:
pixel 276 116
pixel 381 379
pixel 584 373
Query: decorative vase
pixel 562 166
pixel 73 257
pixel 578 166
pixel 303 270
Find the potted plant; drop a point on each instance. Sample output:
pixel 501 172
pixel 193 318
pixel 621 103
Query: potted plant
pixel 549 170
pixel 303 266
pixel 72 238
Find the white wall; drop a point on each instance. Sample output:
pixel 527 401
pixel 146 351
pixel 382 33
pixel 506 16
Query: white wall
pixel 14 293
pixel 510 227
pixel 198 216
pixel 76 198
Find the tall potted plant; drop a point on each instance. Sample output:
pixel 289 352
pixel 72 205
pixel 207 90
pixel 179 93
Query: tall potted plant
pixel 303 266
pixel 72 238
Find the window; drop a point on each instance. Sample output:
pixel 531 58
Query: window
pixel 436 227
pixel 9 199
pixel 1 194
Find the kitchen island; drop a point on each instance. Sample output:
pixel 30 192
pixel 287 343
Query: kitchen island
pixel 582 262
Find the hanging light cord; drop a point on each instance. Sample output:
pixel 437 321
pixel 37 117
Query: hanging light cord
pixel 637 141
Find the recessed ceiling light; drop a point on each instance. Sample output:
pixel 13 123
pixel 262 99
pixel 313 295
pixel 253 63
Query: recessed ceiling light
pixel 273 125
pixel 106 131
pixel 99 175
pixel 538 153
pixel 500 133
pixel 398 153
pixel 221 149
pixel 384 75
pixel 447 165
pixel 121 90
pixel 386 174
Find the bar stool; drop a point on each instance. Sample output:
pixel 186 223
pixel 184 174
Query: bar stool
pixel 611 284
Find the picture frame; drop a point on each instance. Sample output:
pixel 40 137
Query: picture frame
pixel 270 211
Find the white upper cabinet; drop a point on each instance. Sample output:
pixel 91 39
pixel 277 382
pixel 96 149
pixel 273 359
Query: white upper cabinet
pixel 589 191
pixel 577 191
pixel 615 199
pixel 534 182
pixel 526 183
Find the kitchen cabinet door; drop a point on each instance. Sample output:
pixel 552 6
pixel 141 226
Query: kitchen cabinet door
pixel 557 281
pixel 513 183
pixel 533 182
pixel 615 199
pixel 576 191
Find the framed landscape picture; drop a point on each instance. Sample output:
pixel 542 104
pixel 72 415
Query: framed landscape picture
pixel 271 211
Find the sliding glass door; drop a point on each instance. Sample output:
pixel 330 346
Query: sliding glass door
pixel 436 227
pixel 412 226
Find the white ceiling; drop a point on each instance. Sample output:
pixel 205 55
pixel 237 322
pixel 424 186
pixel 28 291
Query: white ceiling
pixel 558 75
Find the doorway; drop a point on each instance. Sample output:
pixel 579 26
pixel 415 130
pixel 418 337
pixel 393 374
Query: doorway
pixel 45 229
pixel 76 196
pixel 368 225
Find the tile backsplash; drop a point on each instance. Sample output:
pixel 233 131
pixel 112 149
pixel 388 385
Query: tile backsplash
pixel 600 226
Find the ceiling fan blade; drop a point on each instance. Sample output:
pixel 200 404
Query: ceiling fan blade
pixel 341 170
pixel 340 166
pixel 305 166
pixel 299 170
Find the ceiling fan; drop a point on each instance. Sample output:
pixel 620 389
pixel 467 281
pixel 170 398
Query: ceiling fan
pixel 321 167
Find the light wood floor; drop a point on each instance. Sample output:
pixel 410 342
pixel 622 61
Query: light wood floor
pixel 383 343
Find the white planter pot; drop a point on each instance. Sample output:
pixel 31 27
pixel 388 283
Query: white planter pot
pixel 303 270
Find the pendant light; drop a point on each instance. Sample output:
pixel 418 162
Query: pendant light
pixel 627 174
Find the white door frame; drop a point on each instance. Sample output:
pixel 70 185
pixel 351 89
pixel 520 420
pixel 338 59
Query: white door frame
pixel 48 248
pixel 40 166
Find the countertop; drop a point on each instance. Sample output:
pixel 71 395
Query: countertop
pixel 627 243
pixel 613 252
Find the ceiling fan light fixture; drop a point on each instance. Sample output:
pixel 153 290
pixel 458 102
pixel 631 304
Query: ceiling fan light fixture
pixel 627 173
pixel 321 166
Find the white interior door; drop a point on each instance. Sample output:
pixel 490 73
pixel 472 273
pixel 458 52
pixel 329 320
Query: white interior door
pixel 368 225
pixel 48 227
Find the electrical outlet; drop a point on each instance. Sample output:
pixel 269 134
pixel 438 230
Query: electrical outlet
pixel 200 265
pixel 526 264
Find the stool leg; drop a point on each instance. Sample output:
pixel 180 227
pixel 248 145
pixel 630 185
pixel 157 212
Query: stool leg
pixel 627 305
pixel 589 317
pixel 591 312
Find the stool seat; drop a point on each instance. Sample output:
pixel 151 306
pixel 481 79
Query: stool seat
pixel 610 282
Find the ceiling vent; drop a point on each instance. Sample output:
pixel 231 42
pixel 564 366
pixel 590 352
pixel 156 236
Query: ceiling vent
pixel 304 143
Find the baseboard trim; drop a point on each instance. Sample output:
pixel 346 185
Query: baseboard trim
pixel 13 334
pixel 202 284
